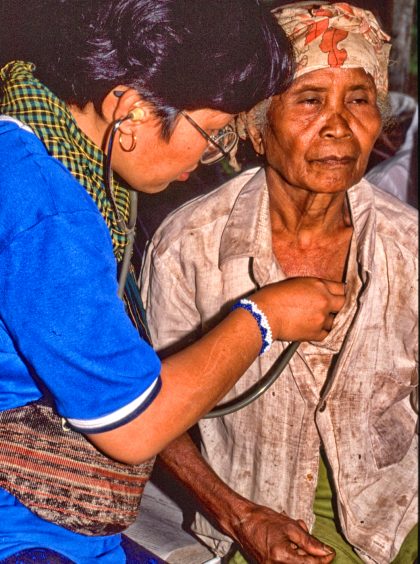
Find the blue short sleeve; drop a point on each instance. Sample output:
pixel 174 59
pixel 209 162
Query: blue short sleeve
pixel 59 303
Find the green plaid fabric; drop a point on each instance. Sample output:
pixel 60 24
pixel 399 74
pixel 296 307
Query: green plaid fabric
pixel 28 100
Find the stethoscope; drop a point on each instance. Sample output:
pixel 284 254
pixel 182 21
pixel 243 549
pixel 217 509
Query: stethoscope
pixel 128 228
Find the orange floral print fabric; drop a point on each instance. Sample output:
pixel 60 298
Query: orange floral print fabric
pixel 336 35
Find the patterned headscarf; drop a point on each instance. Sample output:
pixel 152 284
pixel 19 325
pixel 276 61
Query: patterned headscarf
pixel 336 35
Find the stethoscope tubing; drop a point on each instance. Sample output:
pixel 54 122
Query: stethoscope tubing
pixel 129 229
pixel 259 388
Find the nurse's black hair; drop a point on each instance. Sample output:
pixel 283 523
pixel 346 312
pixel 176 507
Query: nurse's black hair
pixel 178 54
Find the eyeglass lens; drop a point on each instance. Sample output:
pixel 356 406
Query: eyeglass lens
pixel 225 139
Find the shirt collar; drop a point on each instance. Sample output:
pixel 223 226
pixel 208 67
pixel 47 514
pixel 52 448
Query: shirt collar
pixel 248 229
pixel 362 210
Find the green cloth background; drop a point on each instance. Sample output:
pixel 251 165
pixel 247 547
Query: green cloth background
pixel 326 531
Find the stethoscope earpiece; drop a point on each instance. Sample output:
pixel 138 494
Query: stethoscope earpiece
pixel 137 114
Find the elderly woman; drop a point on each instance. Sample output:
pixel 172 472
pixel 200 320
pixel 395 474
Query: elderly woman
pixel 163 77
pixel 331 447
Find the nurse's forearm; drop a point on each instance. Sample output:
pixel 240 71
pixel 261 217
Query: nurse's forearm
pixel 193 381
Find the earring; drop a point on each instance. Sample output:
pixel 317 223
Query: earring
pixel 133 142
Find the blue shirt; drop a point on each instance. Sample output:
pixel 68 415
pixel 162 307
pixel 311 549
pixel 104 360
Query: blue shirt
pixel 62 325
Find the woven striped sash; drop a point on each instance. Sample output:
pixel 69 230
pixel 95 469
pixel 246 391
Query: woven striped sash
pixel 61 477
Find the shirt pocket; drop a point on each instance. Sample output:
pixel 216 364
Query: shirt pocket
pixel 392 416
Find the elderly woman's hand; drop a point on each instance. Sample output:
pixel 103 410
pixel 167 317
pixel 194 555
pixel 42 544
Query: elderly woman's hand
pixel 301 309
pixel 272 537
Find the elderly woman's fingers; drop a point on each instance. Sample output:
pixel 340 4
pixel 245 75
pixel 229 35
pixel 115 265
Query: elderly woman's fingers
pixel 306 549
pixel 273 538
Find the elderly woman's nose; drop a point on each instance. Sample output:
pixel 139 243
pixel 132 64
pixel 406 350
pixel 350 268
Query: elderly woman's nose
pixel 336 125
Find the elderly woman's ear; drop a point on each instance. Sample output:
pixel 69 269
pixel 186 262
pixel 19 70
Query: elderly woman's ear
pixel 257 139
pixel 252 124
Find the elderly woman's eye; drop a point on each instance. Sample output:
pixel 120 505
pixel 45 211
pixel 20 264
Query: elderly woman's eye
pixel 310 100
pixel 359 100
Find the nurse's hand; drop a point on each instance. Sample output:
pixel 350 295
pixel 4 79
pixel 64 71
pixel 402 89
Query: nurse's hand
pixel 301 309
pixel 271 538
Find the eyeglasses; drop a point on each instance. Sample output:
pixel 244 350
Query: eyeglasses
pixel 219 145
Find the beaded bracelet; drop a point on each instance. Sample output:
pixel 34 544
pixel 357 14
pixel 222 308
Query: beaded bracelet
pixel 261 319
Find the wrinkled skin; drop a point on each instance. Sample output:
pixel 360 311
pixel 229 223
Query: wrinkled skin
pixel 321 131
pixel 272 537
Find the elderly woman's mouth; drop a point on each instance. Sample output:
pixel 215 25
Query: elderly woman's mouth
pixel 332 161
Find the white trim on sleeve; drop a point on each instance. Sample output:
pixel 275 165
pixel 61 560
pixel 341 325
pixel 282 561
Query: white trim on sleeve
pixel 111 420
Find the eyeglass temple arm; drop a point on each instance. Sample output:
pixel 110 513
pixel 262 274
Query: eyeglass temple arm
pixel 204 134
